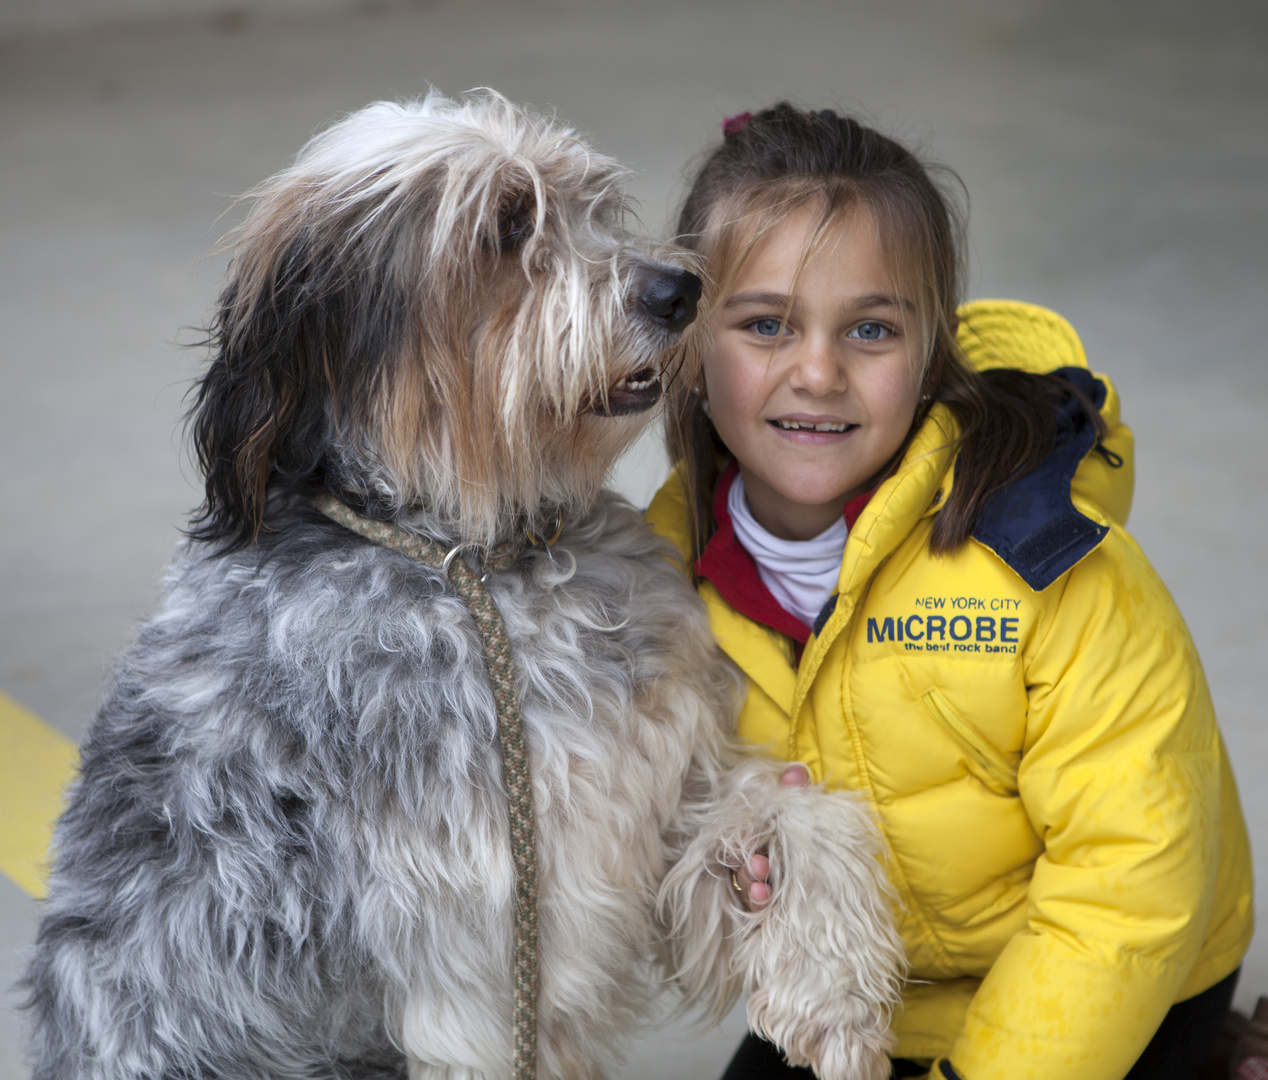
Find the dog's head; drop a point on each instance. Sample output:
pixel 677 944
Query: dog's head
pixel 436 309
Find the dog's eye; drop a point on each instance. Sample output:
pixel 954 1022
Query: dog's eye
pixel 515 225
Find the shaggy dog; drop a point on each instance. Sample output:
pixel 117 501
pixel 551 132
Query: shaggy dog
pixel 287 853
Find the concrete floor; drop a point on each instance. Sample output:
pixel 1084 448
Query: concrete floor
pixel 1116 157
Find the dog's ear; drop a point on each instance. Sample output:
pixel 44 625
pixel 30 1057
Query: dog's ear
pixel 260 406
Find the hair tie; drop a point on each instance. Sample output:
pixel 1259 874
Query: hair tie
pixel 732 125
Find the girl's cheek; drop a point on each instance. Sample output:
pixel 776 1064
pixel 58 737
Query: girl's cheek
pixel 896 391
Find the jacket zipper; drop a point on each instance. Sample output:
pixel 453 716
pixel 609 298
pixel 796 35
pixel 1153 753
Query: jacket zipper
pixel 1001 773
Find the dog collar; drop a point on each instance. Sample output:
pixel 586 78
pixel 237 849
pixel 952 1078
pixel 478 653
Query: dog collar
pixel 492 560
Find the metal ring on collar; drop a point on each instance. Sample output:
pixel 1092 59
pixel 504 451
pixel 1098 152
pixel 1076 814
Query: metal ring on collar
pixel 444 566
pixel 559 528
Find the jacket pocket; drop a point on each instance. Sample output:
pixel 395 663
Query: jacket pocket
pixel 996 769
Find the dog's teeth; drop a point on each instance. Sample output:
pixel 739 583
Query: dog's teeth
pixel 630 383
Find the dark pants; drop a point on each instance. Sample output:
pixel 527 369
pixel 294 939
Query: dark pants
pixel 1177 1051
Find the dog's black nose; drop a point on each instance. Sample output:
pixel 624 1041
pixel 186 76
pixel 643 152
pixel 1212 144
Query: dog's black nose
pixel 670 297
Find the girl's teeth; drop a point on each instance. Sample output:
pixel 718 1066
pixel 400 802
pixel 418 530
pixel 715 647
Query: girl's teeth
pixel 797 425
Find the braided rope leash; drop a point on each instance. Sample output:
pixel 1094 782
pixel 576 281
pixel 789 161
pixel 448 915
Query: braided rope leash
pixel 515 768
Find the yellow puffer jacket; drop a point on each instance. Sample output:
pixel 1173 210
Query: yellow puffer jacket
pixel 1061 822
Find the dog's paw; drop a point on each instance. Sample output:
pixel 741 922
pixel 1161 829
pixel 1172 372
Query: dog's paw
pixel 825 966
pixel 847 1040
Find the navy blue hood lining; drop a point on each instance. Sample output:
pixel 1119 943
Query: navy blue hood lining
pixel 1031 523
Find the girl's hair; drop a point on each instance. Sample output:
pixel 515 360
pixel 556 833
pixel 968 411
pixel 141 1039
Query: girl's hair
pixel 784 159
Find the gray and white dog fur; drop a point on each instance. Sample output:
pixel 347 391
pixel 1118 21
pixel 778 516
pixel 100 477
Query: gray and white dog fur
pixel 287 853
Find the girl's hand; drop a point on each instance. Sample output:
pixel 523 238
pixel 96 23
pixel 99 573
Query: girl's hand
pixel 750 879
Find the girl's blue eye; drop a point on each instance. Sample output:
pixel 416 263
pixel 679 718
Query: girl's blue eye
pixel 766 327
pixel 871 331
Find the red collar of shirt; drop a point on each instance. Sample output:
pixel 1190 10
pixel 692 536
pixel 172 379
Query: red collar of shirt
pixel 734 573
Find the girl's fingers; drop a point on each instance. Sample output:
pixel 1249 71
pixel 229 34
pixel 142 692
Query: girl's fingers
pixel 796 775
pixel 758 866
pixel 751 877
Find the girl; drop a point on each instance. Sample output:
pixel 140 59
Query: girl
pixel 906 520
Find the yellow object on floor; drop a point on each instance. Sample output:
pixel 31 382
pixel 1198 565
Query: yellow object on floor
pixel 36 765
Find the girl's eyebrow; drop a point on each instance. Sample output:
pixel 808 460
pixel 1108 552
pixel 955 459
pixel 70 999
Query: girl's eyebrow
pixel 876 300
pixel 762 299
pixel 780 300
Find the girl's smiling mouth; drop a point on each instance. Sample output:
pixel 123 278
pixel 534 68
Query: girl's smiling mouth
pixel 811 429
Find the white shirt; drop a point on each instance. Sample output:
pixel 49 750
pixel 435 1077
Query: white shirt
pixel 801 574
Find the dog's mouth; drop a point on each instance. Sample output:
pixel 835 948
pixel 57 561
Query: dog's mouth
pixel 635 393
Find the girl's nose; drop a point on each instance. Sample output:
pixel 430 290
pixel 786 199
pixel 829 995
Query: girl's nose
pixel 818 369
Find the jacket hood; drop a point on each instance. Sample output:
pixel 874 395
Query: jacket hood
pixel 1009 333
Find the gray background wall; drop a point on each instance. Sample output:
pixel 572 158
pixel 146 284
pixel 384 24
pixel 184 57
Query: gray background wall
pixel 1115 155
